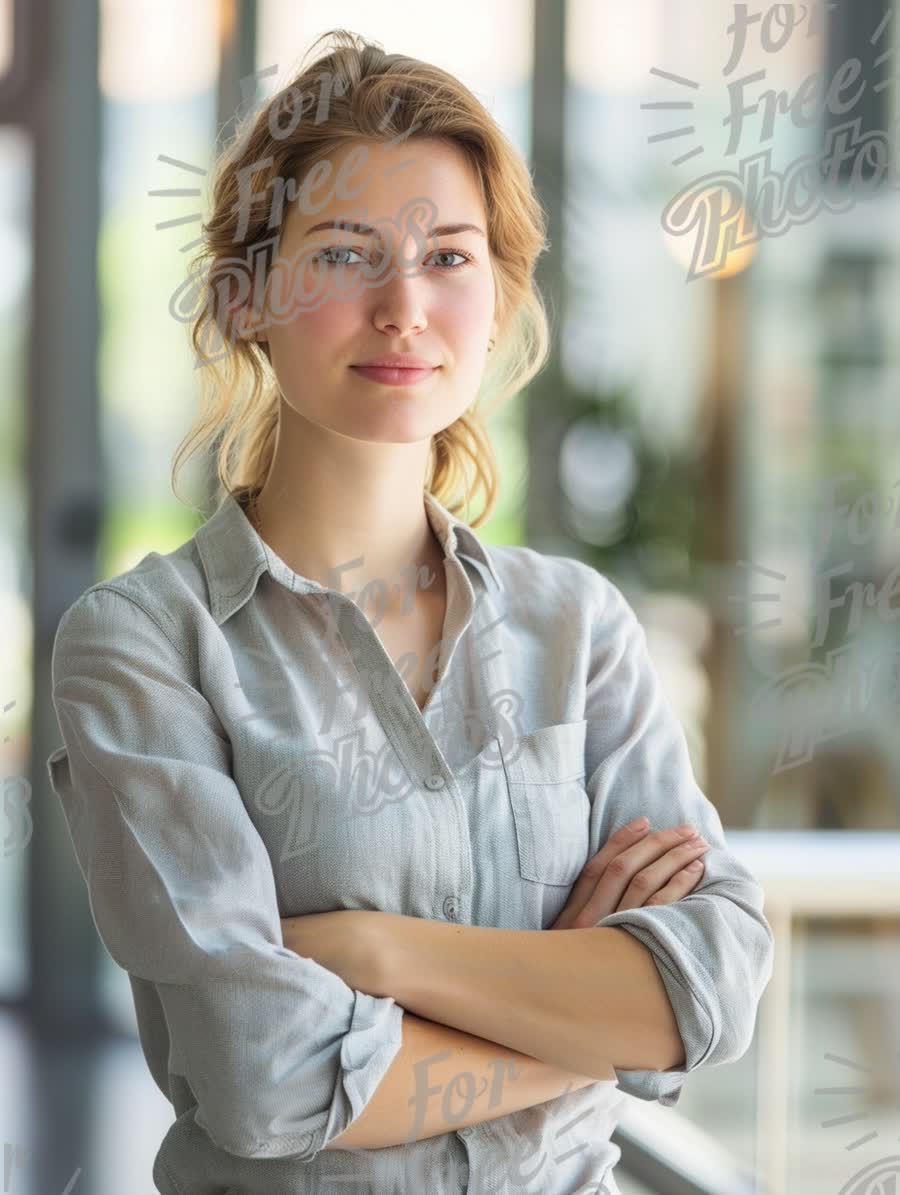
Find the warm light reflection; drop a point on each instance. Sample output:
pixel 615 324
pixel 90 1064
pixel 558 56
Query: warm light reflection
pixel 717 244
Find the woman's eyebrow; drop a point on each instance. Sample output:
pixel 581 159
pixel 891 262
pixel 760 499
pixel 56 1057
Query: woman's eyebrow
pixel 365 230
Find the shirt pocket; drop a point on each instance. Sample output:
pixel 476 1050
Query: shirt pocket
pixel 545 773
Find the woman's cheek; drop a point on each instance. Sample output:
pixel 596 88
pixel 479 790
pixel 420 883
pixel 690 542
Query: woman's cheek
pixel 332 322
pixel 470 311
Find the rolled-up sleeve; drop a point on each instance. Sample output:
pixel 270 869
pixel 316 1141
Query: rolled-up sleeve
pixel 280 1054
pixel 713 948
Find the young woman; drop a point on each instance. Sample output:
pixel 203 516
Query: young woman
pixel 333 766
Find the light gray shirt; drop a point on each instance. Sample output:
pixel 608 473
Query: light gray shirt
pixel 239 747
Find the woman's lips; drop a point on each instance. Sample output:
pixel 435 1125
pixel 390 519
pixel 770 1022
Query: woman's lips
pixel 392 376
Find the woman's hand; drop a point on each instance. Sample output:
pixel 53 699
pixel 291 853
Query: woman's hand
pixel 634 867
pixel 345 941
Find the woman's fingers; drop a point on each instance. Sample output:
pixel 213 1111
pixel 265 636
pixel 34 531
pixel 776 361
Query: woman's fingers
pixel 680 884
pixel 583 888
pixel 637 873
pixel 633 886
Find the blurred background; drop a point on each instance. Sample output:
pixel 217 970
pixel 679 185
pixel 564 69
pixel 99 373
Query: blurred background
pixel 718 430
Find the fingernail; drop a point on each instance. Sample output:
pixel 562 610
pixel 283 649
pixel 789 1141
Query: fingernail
pixel 695 866
pixel 640 824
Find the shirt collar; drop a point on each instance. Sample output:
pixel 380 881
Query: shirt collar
pixel 233 554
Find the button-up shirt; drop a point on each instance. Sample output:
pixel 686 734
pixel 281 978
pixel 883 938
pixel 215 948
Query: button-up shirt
pixel 239 747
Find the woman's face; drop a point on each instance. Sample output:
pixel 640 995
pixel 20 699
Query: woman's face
pixel 339 298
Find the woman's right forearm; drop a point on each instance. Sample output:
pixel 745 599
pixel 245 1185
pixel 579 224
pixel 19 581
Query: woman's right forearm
pixel 442 1080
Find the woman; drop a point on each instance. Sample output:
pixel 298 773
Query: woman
pixel 331 764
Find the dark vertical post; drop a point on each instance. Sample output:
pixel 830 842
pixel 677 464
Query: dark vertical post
pixel 545 421
pixel 718 478
pixel 64 468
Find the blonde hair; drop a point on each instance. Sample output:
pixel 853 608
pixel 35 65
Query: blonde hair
pixel 381 97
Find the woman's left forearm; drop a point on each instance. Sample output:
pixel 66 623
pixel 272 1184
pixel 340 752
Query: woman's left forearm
pixel 586 1000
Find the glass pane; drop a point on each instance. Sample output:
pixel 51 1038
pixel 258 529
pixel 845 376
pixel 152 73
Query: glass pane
pixel 845 1042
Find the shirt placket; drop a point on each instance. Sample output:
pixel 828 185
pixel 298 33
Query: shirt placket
pixel 408 732
pixel 457 707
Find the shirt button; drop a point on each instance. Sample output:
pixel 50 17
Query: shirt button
pixel 434 782
pixel 451 908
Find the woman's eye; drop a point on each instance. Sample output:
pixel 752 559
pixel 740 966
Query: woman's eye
pixel 323 256
pixel 453 253
pixel 336 249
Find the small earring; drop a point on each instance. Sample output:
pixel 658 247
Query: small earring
pixel 491 344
